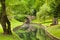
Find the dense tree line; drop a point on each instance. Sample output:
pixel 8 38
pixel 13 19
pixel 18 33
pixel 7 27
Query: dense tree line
pixel 39 8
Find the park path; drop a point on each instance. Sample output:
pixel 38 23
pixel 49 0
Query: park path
pixel 43 33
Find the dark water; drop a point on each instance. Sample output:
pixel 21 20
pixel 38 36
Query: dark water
pixel 36 34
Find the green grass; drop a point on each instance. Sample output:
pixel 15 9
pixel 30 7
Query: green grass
pixel 46 22
pixel 14 24
pixel 54 30
pixel 9 37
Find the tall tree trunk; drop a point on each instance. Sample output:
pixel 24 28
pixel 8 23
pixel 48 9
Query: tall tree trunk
pixel 54 21
pixel 4 19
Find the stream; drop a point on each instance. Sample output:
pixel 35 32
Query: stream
pixel 33 32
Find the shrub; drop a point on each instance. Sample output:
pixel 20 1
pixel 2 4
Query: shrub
pixel 20 18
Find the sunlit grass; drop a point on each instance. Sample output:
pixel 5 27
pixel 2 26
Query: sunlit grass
pixel 9 37
pixel 54 30
pixel 14 23
pixel 46 22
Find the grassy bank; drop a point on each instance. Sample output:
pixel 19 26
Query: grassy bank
pixel 14 23
pixel 54 30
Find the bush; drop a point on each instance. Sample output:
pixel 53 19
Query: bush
pixel 20 18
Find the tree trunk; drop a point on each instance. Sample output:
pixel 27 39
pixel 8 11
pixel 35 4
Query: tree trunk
pixel 54 21
pixel 4 19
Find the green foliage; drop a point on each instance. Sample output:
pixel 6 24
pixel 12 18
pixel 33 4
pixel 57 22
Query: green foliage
pixel 44 9
pixel 43 13
pixel 24 6
pixel 20 18
pixel 55 8
pixel 50 8
pixel 38 4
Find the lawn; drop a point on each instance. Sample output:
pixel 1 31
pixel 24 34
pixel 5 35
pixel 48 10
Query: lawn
pixel 14 24
pixel 9 37
pixel 45 23
pixel 54 30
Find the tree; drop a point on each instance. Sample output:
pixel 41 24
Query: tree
pixel 55 11
pixel 4 19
